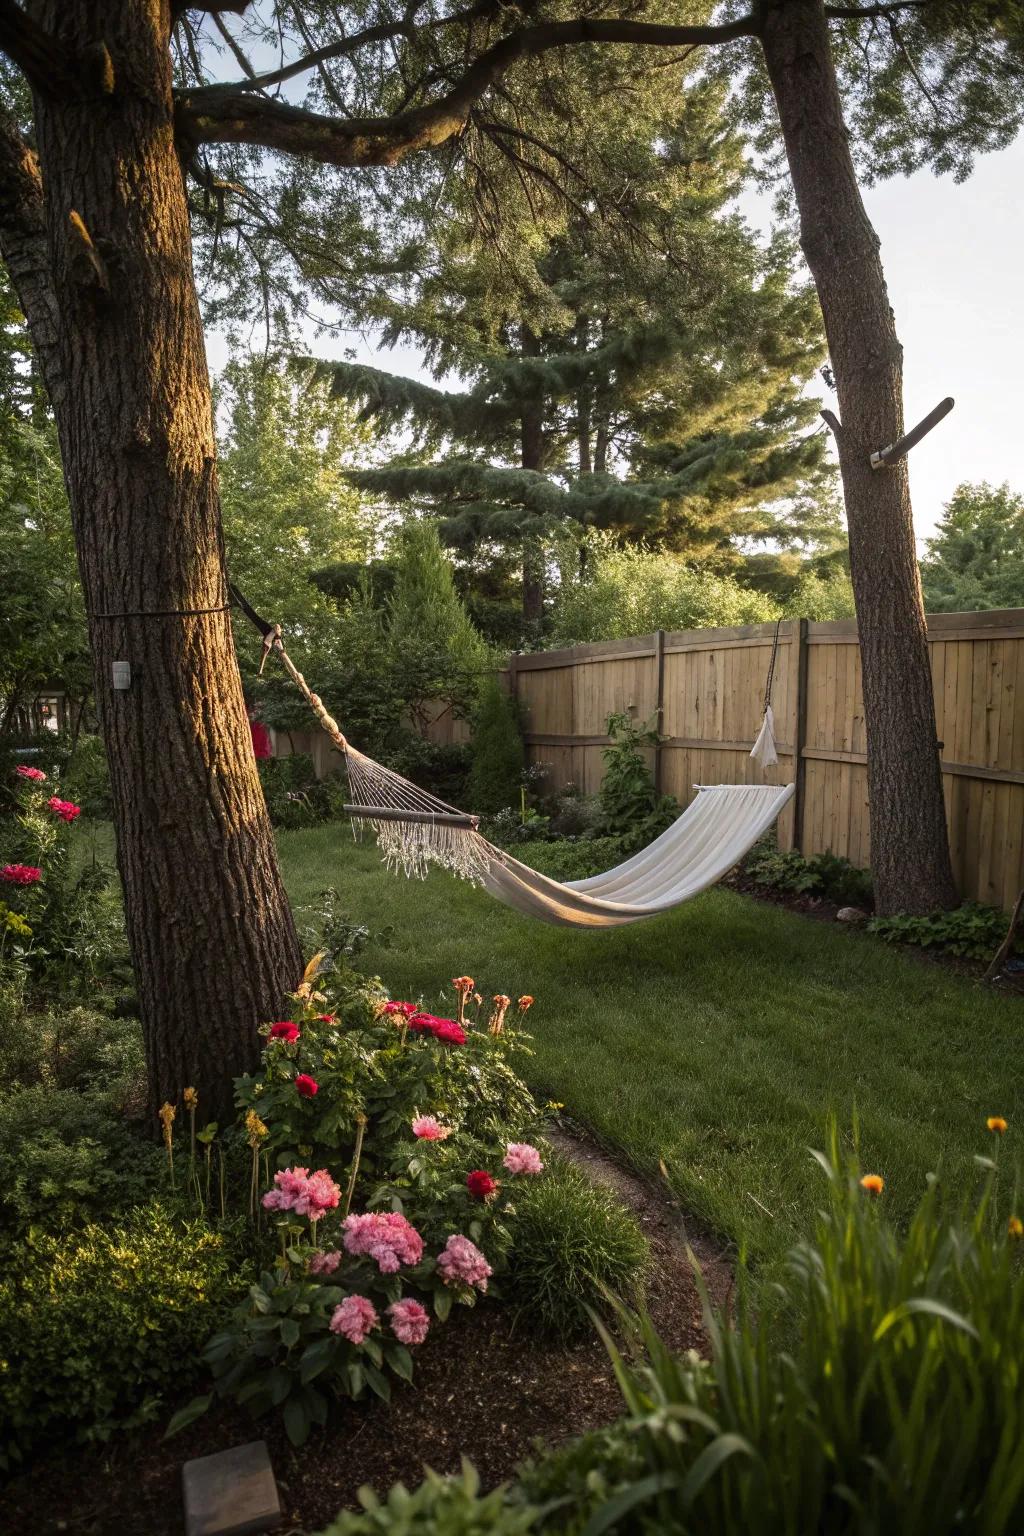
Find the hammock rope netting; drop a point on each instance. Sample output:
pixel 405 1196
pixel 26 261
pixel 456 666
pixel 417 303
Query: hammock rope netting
pixel 416 830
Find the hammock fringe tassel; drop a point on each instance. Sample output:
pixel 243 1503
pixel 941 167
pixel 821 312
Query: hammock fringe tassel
pixel 413 828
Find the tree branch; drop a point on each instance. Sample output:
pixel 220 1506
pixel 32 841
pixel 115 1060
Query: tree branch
pixel 24 251
pixel 240 118
pixel 41 59
pixel 872 12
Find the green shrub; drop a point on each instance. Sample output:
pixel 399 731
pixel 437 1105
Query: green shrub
pixel 440 767
pixel 67 1156
pixel 496 775
pixel 897 1406
pixel 440 1506
pixel 98 1329
pixel 573 1241
pixel 631 807
pixel 86 778
pixel 971 930
pixel 295 796
pixel 573 860
pixel 823 874
pixel 69 1048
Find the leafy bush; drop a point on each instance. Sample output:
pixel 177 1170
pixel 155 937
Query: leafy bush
pixel 97 1329
pixel 632 590
pixel 576 859
pixel 823 874
pixel 440 1506
pixel 574 1241
pixel 971 930
pixel 499 756
pixel 440 767
pixel 631 807
pixel 295 796
pixel 87 778
pixel 69 1048
pixel 896 1408
pixel 572 813
pixel 67 1156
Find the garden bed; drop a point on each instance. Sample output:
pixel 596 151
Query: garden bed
pixel 485 1388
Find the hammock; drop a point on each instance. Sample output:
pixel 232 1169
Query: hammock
pixel 416 829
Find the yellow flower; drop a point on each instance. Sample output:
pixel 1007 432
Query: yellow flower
pixel 191 1098
pixel 554 1104
pixel 166 1114
pixel 255 1128
pixel 996 1123
pixel 1015 1227
pixel 873 1183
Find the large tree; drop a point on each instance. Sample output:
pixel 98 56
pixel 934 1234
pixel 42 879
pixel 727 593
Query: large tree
pixel 975 557
pixel 125 132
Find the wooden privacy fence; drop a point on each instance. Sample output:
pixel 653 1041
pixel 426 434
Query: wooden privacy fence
pixel 704 689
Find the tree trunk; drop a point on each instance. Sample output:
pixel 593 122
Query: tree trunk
pixel 909 842
pixel 532 458
pixel 212 938
pixel 583 406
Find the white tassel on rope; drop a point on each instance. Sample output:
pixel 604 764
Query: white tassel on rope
pixel 763 750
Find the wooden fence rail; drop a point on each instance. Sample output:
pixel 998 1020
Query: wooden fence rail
pixel 704 689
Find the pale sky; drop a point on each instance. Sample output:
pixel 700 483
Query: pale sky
pixel 953 258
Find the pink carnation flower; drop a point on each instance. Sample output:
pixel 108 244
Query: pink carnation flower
pixel 20 874
pixel 409 1321
pixel 427 1128
pixel 325 1263
pixel 354 1318
pixel 307 1194
pixel 520 1157
pixel 35 775
pixel 384 1236
pixel 460 1262
pixel 64 808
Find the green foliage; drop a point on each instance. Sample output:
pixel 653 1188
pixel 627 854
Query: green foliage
pixel 75 922
pixel 970 930
pixel 440 1506
pixel 295 796
pixel 975 558
pixel 574 1242
pixel 573 859
pixel 69 1048
pixel 86 778
pixel 499 756
pixel 823 874
pixel 821 597
pixel 98 1328
pixel 67 1156
pixel 632 591
pixel 895 1406
pixel 433 648
pixel 631 807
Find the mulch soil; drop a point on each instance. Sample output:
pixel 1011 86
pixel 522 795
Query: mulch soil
pixel 485 1388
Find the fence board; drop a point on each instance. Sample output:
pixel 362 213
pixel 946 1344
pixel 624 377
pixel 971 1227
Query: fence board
pixel 711 691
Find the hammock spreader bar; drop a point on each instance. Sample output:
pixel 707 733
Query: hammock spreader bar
pixel 395 813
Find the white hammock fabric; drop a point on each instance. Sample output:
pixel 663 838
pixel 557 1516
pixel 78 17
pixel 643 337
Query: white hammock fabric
pixel 712 834
pixel 702 845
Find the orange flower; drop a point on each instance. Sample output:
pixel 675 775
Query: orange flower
pixel 873 1183
pixel 996 1123
pixel 500 1000
pixel 463 984
pixel 526 1001
pixel 1015 1227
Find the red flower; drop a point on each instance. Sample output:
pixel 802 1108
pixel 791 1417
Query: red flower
pixel 480 1184
pixel 445 1030
pixel 36 775
pixel 326 1018
pixel 64 808
pixel 306 1085
pixel 405 1009
pixel 285 1031
pixel 20 874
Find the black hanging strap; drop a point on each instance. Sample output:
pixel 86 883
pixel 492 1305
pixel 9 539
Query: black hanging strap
pixel 771 668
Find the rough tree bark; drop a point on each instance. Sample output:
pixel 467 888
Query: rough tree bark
pixel 532 452
pixel 115 313
pixel 909 843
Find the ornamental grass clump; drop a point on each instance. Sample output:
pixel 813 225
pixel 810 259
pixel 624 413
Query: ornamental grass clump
pixel 896 1407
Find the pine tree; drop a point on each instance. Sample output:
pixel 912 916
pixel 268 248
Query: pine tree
pixel 431 646
pixel 606 392
pixel 498 752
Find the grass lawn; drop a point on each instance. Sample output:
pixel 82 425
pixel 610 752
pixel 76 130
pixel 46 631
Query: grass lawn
pixel 716 1038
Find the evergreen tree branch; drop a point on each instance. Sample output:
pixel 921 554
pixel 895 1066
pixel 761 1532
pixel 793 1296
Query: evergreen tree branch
pixel 872 12
pixel 241 118
pixel 45 64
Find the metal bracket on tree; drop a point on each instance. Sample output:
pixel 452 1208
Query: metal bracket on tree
pixel 902 446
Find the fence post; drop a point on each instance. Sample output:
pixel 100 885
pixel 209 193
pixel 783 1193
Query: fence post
pixel 659 709
pixel 799 733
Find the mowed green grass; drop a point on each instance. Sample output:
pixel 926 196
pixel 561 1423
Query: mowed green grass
pixel 716 1038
